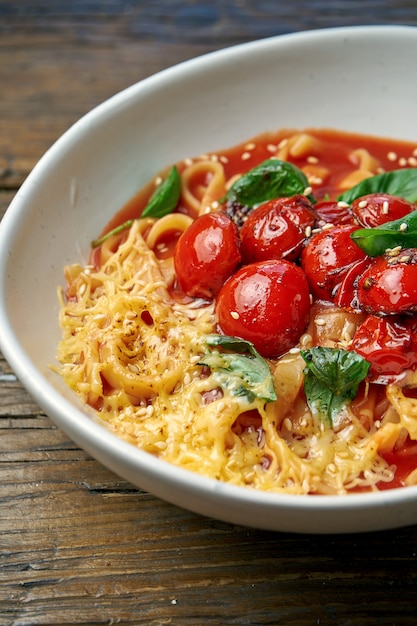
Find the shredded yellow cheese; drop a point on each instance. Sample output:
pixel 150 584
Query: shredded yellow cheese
pixel 131 352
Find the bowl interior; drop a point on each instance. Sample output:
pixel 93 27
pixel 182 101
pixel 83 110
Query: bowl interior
pixel 355 79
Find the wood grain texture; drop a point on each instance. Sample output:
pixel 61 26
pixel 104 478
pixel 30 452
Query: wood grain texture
pixel 78 545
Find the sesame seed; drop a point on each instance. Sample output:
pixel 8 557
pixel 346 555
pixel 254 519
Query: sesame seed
pixel 403 227
pixel 235 315
pixel 224 159
pixel 343 205
pixel 385 207
pixel 158 181
pixel 415 152
pixel 405 258
pixel 214 157
pixel 307 191
pixel 319 321
pixel 188 162
pixel 348 332
pixel 283 143
pixel 307 231
pixel 306 339
pixel 245 156
pixel 287 423
pixel 362 204
pixel 412 161
pixel 250 146
pixel 328 226
pixel 391 156
pixel 294 350
pixel 271 148
pixel 149 410
pixel 312 159
pixel 402 161
pixel 214 204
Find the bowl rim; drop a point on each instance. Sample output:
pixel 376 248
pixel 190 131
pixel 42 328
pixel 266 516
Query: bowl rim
pixel 77 423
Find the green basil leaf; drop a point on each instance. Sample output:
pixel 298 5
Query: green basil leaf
pixel 402 183
pixel 162 202
pixel 332 377
pixel 271 179
pixel 165 197
pixel 239 368
pixel 375 241
pixel 115 231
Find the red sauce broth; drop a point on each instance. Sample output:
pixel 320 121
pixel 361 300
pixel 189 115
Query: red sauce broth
pixel 405 461
pixel 335 155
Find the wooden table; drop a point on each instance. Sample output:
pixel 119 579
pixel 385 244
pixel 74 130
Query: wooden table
pixel 78 545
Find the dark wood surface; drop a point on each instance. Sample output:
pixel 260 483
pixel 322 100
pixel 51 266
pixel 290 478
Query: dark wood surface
pixel 77 544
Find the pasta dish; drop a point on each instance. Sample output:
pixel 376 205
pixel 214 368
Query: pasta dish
pixel 250 315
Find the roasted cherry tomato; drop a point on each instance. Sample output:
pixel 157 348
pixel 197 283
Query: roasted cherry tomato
pixel 388 344
pixel 379 208
pixel 346 294
pixel 327 258
pixel 389 284
pixel 267 303
pixel 298 209
pixel 276 229
pixel 206 254
pixel 333 212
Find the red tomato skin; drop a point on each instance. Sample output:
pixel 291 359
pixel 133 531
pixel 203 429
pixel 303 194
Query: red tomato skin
pixel 327 258
pixel 206 254
pixel 346 294
pixel 387 343
pixel 379 208
pixel 333 212
pixel 267 303
pixel 298 209
pixel 389 285
pixel 276 229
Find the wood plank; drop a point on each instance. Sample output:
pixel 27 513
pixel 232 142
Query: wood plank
pixel 38 92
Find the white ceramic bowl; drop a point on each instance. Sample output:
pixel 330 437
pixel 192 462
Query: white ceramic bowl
pixel 356 79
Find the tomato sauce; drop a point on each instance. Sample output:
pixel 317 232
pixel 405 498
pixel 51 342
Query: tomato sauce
pixel 334 153
pixel 405 461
